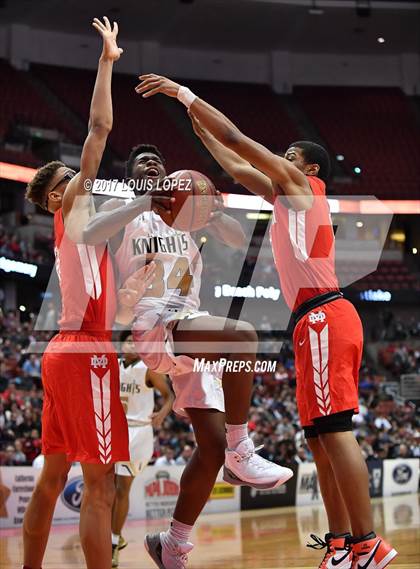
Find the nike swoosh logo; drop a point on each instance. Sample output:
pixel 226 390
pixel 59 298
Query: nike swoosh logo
pixel 336 562
pixel 301 343
pixel 372 555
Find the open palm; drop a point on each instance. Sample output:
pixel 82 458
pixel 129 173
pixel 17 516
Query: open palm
pixel 110 50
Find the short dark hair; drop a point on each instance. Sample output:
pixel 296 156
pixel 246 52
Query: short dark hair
pixel 141 149
pixel 36 189
pixel 314 153
pixel 125 334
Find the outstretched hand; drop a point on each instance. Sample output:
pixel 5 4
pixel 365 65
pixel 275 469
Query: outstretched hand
pixel 136 285
pixel 152 84
pixel 110 50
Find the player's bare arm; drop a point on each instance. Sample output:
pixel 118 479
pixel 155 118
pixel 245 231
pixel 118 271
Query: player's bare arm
pixel 113 217
pixel 132 291
pixel 225 228
pixel 77 203
pixel 161 384
pixel 285 176
pixel 239 169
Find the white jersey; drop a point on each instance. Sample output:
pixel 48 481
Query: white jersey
pixel 137 398
pixel 178 261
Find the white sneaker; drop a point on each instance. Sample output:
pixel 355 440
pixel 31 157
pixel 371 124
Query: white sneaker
pixel 245 468
pixel 164 557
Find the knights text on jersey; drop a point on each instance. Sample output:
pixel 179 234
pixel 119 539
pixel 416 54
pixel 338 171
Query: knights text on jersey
pixel 178 264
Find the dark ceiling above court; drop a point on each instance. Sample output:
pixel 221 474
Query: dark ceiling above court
pixel 241 25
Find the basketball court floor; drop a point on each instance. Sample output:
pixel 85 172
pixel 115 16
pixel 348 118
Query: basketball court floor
pixel 256 539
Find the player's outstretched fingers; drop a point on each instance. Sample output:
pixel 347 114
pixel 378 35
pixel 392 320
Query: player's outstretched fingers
pixel 107 24
pixel 98 25
pixel 149 88
pixel 149 76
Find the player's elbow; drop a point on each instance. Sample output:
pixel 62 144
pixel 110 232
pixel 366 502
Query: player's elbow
pixel 100 128
pixel 90 236
pixel 231 138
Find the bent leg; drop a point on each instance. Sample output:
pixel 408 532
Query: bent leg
pixel 40 510
pixel 201 471
pixel 212 338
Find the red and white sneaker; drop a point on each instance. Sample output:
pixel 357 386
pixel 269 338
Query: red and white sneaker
pixel 373 553
pixel 339 554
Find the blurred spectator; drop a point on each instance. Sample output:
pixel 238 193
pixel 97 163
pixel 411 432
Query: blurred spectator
pixel 19 458
pixel 185 455
pixel 385 426
pixel 168 459
pixel 32 366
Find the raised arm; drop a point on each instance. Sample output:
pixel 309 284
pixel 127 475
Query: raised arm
pixel 239 169
pixel 77 203
pixel 291 181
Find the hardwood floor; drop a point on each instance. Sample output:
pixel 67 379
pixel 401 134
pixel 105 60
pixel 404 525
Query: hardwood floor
pixel 258 539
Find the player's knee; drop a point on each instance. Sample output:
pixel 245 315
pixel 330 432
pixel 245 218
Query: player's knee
pixel 100 490
pixel 52 484
pixel 212 453
pixel 246 334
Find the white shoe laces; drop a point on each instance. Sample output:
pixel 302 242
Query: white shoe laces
pixel 250 454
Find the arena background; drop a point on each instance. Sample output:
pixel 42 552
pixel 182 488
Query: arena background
pixel 343 73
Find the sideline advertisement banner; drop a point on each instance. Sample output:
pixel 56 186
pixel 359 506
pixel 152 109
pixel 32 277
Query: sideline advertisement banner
pixel 153 495
pixel 401 476
pixel 307 491
pixel 284 495
pixel 155 491
pixel 16 486
pixel 376 472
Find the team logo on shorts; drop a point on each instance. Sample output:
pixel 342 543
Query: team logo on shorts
pixel 96 361
pixel 315 317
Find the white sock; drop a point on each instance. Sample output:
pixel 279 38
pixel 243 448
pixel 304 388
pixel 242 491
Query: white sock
pixel 177 533
pixel 235 434
pixel 115 539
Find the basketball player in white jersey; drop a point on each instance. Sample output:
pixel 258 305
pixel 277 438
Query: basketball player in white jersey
pixel 137 385
pixel 169 315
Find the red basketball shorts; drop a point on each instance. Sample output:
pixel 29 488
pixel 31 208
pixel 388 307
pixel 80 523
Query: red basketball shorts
pixel 82 414
pixel 328 345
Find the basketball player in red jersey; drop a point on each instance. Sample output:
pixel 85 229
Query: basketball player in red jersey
pixel 83 419
pixel 328 336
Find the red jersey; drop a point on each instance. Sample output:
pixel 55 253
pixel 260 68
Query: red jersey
pixel 87 283
pixel 303 247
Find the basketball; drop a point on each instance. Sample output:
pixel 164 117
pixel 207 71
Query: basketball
pixel 194 200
